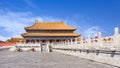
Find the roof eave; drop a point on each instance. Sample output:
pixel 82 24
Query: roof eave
pixel 50 36
pixel 48 29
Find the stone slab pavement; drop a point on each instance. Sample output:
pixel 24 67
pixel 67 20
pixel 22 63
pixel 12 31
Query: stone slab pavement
pixel 45 60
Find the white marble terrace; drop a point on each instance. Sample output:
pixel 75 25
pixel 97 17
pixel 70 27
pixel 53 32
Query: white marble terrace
pixel 101 43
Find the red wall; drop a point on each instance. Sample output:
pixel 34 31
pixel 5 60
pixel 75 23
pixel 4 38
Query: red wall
pixel 6 44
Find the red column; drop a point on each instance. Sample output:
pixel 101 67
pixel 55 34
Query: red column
pixel 35 41
pixel 39 41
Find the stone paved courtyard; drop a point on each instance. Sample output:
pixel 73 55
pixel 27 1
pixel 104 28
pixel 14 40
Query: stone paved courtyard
pixel 45 60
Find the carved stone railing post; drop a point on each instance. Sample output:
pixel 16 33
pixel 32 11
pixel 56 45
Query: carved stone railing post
pixel 99 39
pixel 81 41
pixel 89 40
pixel 116 37
pixel 75 41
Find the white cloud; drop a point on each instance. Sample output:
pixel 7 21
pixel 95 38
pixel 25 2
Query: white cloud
pixel 3 38
pixel 92 31
pixel 14 22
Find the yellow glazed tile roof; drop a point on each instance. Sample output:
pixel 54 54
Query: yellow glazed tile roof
pixel 16 39
pixel 49 26
pixel 51 34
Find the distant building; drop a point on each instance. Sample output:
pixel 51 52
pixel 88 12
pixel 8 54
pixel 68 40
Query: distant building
pixel 16 40
pixel 49 32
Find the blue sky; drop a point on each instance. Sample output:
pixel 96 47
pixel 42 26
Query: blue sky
pixel 89 16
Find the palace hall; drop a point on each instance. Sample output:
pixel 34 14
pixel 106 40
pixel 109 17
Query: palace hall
pixel 43 32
